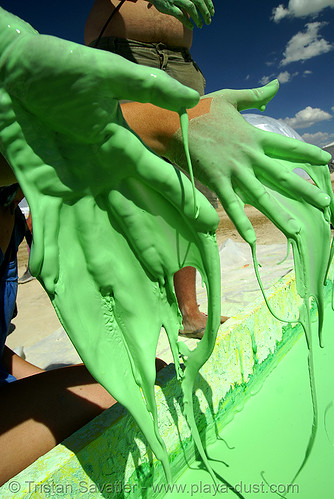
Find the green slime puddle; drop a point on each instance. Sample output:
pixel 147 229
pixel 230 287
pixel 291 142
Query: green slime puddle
pixel 113 222
pixel 262 446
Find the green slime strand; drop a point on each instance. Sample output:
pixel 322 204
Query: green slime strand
pixel 248 165
pixel 112 221
pixel 196 359
pixel 184 122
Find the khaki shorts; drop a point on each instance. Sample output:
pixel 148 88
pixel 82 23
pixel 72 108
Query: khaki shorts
pixel 175 61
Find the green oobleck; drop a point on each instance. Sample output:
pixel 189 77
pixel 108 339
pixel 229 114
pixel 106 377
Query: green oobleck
pixel 181 9
pixel 113 222
pixel 259 171
pixel 262 445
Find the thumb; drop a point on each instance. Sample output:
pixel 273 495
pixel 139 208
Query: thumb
pixel 130 81
pixel 256 97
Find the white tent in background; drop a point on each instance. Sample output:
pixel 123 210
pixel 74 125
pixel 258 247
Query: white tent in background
pixel 330 148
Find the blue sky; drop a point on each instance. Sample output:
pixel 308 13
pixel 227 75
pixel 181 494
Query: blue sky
pixel 247 44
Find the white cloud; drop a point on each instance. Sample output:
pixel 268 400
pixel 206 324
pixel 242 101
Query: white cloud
pixel 300 8
pixel 264 80
pixel 307 72
pixel 279 13
pixel 307 117
pixel 270 63
pixel 305 45
pixel 319 139
pixel 283 77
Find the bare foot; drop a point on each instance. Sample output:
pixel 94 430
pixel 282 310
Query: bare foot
pixel 194 326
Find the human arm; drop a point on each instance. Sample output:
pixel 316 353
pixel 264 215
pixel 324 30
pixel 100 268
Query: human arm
pixel 243 164
pixel 40 411
pixel 183 10
pixel 157 126
pixel 233 158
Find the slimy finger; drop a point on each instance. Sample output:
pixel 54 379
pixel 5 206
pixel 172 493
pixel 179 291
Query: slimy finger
pixel 210 7
pixel 256 97
pixel 281 147
pixel 260 198
pixel 288 182
pixel 126 80
pixel 181 16
pixel 202 8
pixel 177 188
pixel 236 213
pixel 189 7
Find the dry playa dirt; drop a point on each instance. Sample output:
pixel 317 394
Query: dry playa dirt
pixel 36 318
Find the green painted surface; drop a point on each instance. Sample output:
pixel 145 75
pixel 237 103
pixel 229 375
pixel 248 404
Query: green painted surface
pixel 261 450
pixel 110 450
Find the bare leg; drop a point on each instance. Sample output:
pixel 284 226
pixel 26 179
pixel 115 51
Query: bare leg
pixel 16 366
pixel 42 410
pixel 194 321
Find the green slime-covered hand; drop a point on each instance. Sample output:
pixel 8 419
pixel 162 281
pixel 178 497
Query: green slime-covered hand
pixel 180 9
pixel 112 221
pixel 243 164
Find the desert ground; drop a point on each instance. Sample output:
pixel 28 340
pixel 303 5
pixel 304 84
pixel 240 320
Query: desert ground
pixel 36 318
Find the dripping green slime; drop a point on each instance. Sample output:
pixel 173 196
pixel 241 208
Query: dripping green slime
pixel 113 222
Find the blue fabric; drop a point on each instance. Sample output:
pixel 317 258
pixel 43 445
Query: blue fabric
pixel 5 378
pixel 8 290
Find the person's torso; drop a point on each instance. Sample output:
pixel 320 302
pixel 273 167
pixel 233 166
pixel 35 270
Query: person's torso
pixel 136 20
